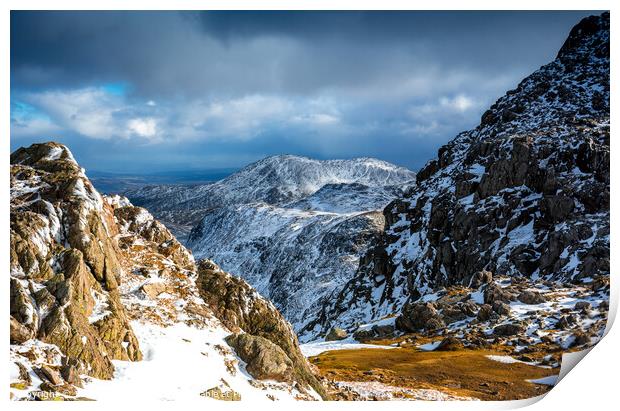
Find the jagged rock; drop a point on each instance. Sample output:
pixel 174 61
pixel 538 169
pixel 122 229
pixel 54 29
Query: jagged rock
pixel 531 297
pixel 19 333
pixel 336 334
pixel 419 316
pixel 71 374
pixel 507 330
pixel 71 250
pixel 264 359
pixel 62 245
pixel 48 374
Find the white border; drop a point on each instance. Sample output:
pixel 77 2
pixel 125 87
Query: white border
pixel 592 385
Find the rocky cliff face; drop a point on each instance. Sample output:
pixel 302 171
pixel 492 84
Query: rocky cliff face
pixel 96 279
pixel 64 264
pixel 523 195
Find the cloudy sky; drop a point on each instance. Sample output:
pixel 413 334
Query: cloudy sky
pixel 140 92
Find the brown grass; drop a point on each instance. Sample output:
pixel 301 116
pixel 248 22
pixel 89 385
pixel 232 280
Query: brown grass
pixel 464 373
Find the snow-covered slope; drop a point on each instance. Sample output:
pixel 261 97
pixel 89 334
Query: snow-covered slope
pixel 524 194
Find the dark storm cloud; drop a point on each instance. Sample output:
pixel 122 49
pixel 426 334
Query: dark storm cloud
pixel 302 51
pixel 235 86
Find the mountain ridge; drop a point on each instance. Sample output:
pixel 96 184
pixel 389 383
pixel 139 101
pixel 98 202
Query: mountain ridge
pixel 524 194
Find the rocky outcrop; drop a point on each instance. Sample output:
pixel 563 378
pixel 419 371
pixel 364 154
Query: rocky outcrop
pixel 64 262
pixel 242 309
pixel 525 194
pixel 84 266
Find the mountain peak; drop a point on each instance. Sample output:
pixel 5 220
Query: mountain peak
pixel 41 152
pixel 590 36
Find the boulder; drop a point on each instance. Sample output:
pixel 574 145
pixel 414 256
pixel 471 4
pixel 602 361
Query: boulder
pixel 556 208
pixel 580 338
pixel 507 330
pixel 375 332
pixel 583 306
pixel 46 373
pixel 449 344
pixel 71 374
pixel 493 292
pixel 501 308
pixel 531 297
pixel 567 321
pixel 336 334
pixel 153 289
pixel 485 313
pixel 241 308
pixel 480 278
pixel 264 360
pixel 419 316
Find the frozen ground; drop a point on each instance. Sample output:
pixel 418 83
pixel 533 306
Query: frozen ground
pixel 180 362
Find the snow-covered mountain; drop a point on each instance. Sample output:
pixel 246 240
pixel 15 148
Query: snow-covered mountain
pixel 274 180
pixel 524 195
pixel 105 302
pixel 295 228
